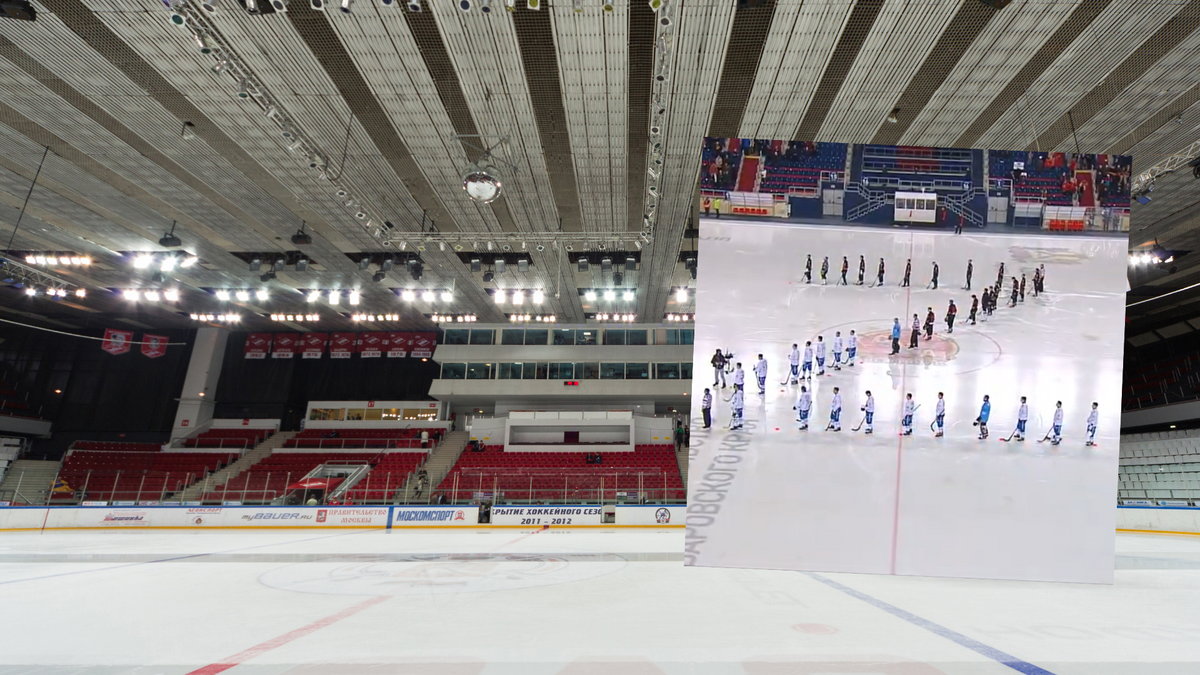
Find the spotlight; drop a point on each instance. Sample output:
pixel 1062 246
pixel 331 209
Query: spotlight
pixel 630 264
pixel 81 292
pixel 590 296
pixel 378 277
pixel 414 6
pixel 220 66
pixel 243 89
pixel 476 264
pixel 539 296
pixel 242 296
pixel 189 261
pixel 318 5
pixel 893 116
pixel 610 295
pixel 464 5
pixel 447 296
pixel 301 238
pixel 335 297
pixel 541 247
pixel 355 297
pixel 302 265
pixel 169 240
pixel 485 6
pixel 408 295
pixel 628 296
pixel 209 5
pixel 681 295
pixel 415 269
pixel 204 44
pixel 252 6
pixel 31 291
pixel 167 264
pixel 222 295
pixel 656 5
pixel 346 6
pixel 499 297
pixel 279 5
pixel 533 4
pixel 280 263
pixel 142 261
pixel 488 276
pixel 518 297
pixel 501 266
pixel 618 278
pixel 583 264
pixel 428 296
pixel 608 5
pixel 267 276
pixel 262 294
pixel 171 295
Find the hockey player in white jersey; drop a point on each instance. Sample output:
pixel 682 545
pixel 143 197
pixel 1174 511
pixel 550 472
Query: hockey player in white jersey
pixel 736 405
pixel 909 409
pixel 808 358
pixel 820 355
pixel 760 371
pixel 803 408
pixel 739 378
pixel 868 409
pixel 1093 420
pixel 1022 418
pixel 940 413
pixel 794 362
pixel 1056 434
pixel 837 350
pixel 835 412
pixel 851 349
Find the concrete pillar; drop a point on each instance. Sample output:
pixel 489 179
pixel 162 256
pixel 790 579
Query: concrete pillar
pixel 196 401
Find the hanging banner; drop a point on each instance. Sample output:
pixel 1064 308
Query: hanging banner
pixel 312 345
pixel 154 346
pixel 257 345
pixel 285 346
pixel 373 345
pixel 397 345
pixel 422 345
pixel 342 345
pixel 116 341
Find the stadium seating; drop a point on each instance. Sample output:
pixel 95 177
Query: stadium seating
pixel 117 446
pixel 362 438
pixel 13 403
pixel 565 476
pixel 389 474
pixel 1160 465
pixel 270 477
pixel 129 475
pixel 228 438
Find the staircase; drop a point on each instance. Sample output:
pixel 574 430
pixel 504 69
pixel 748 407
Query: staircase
pixel 28 481
pixel 682 457
pixel 437 466
pixel 196 491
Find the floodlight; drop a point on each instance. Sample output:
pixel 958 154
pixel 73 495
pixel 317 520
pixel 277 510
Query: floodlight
pixel 610 295
pixel 539 296
pixel 590 296
pixel 428 296
pixel 681 295
pixel 242 296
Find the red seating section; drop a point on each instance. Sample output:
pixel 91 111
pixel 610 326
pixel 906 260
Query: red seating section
pixel 566 476
pixel 362 438
pixel 228 438
pixel 134 476
pixel 269 478
pixel 388 475
pixel 117 446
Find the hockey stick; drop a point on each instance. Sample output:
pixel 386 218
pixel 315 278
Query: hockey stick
pixel 1048 431
pixel 1014 433
pixel 860 423
pixel 932 426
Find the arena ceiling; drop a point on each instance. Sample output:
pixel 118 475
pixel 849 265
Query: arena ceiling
pixel 395 105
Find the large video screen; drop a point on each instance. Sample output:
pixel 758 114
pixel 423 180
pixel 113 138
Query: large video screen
pixel 913 357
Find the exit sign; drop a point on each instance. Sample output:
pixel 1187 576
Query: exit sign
pixel 571 383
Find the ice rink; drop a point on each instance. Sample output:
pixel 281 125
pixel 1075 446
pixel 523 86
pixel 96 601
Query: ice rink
pixel 955 505
pixel 557 602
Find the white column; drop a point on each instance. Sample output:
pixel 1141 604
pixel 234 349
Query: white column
pixel 200 385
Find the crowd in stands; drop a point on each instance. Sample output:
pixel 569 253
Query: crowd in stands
pixel 1052 178
pixel 719 163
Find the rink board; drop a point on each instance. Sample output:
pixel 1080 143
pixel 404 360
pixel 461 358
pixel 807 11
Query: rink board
pixel 915 505
pixel 322 517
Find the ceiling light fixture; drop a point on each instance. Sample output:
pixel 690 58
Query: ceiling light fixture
pixel 242 296
pixel 428 296
pixel 590 296
pixel 499 297
pixel 335 297
pixel 681 295
pixel 408 295
pixel 539 296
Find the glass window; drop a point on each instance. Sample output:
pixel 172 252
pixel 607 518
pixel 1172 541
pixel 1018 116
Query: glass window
pixel 687 336
pixel 509 371
pixel 637 371
pixel 355 414
pixel 536 336
pixel 614 336
pixel 454 371
pixel 373 414
pixel 420 413
pixel 587 371
pixel 512 336
pixel 561 371
pixel 685 371
pixel 534 371
pixel 635 337
pixel 456 336
pixel 336 414
pixel 564 336
pixel 612 371
pixel 666 371
pixel 483 336
pixel 479 371
pixel 391 414
pixel 585 337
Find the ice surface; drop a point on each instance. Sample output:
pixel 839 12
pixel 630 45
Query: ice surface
pixel 556 602
pixel 953 506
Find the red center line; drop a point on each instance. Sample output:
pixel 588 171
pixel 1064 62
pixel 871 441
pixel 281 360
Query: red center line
pixel 276 642
pixel 273 643
pixel 900 439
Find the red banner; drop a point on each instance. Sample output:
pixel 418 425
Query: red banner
pixel 422 345
pixel 257 345
pixel 397 345
pixel 154 346
pixel 116 341
pixel 342 345
pixel 312 345
pixel 373 345
pixel 285 345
